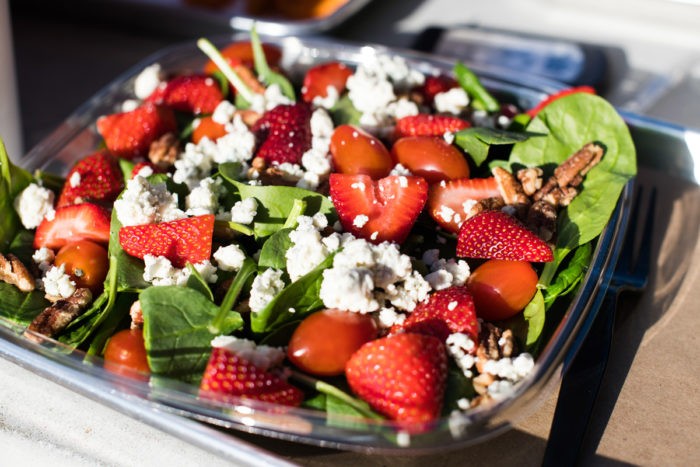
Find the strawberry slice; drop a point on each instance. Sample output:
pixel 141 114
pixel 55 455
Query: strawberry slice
pixel 96 178
pixel 447 200
pixel 428 125
pixel 402 376
pixel 320 77
pixel 381 210
pixel 84 221
pixel 434 85
pixel 181 241
pixel 285 132
pixel 446 312
pixel 496 235
pixel 229 377
pixel 130 134
pixel 195 94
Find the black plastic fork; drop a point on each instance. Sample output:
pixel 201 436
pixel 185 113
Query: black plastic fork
pixel 583 377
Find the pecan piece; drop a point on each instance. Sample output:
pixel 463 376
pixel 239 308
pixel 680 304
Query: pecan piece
pixel 542 219
pixel 259 170
pixel 486 204
pixel 530 179
pixel 163 151
pixel 14 272
pixel 56 317
pixel 511 191
pixel 494 344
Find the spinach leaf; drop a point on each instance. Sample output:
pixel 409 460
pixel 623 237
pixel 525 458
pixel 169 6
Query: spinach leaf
pixel 176 330
pixel 22 246
pixel 127 269
pixel 477 140
pixel 567 279
pixel 118 316
pixel 301 295
pixel 12 181
pixel 276 203
pixel 483 100
pixel 196 282
pixel 219 323
pixel 265 74
pixel 458 387
pixel 344 112
pixel 48 180
pixel 20 307
pixel 570 123
pixel 272 254
pixel 534 315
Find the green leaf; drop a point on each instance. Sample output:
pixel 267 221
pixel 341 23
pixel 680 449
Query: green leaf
pixel 176 330
pixel 477 140
pixel 22 246
pixel 534 315
pixel 458 387
pixel 196 282
pixel 218 324
pixel 301 295
pixel 20 307
pixel 483 100
pixel 570 123
pixel 265 74
pixel 128 269
pixel 272 254
pixel 213 53
pixel 345 113
pixel 567 279
pixel 12 181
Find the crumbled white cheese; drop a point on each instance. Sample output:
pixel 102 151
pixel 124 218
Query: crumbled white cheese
pixel 445 273
pixel 388 317
pixel 159 271
pixel 148 81
pixel 446 213
pixel 272 97
pixel 500 389
pixel 350 289
pixel 244 211
pixel 34 204
pixel 461 347
pixel 360 220
pixel 263 357
pixel 145 171
pixel 229 258
pixel 74 180
pixel 204 198
pixel 511 369
pixel 57 283
pixel 400 170
pixel 330 99
pixel 402 108
pixel 453 101
pixel 223 113
pixel 449 137
pixel 44 258
pixel 309 248
pixel 145 203
pixel 264 288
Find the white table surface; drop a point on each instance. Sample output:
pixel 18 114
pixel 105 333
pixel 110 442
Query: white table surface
pixel 62 61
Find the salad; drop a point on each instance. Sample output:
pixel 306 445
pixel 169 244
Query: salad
pixel 373 242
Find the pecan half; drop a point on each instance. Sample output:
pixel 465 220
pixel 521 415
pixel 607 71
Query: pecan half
pixel 511 191
pixel 14 272
pixel 163 151
pixel 56 317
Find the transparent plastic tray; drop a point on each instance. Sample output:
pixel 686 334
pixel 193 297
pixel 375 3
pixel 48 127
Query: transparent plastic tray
pixel 76 137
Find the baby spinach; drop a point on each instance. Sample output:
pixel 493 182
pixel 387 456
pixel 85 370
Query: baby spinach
pixel 344 112
pixel 570 123
pixel 567 279
pixel 12 181
pixel 18 306
pixel 127 269
pixel 483 100
pixel 196 282
pixel 265 74
pixel 176 330
pixel 302 296
pixel 22 246
pixel 535 317
pixel 219 323
pixel 476 141
pixel 272 254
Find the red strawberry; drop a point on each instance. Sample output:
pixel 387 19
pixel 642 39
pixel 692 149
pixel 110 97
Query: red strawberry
pixel 96 178
pixel 435 85
pixel 229 377
pixel 319 77
pixel 446 200
pixel 446 312
pixel 381 210
pixel 558 95
pixel 195 94
pixel 402 376
pixel 428 125
pixel 130 134
pixel 285 132
pixel 181 241
pixel 496 235
pixel 84 221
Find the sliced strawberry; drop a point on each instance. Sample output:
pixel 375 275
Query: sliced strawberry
pixel 181 241
pixel 285 132
pixel 84 221
pixel 96 178
pixel 428 125
pixel 435 85
pixel 382 210
pixel 402 376
pixel 241 53
pixel 446 312
pixel 229 377
pixel 320 77
pixel 496 235
pixel 558 95
pixel 195 94
pixel 207 128
pixel 447 200
pixel 130 134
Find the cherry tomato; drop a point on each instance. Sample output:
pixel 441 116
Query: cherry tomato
pixel 502 289
pixel 241 53
pixel 430 157
pixel 86 262
pixel 126 349
pixel 207 127
pixel 325 340
pixel 356 152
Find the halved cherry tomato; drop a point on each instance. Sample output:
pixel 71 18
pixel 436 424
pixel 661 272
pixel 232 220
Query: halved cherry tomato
pixel 86 262
pixel 127 349
pixel 209 128
pixel 324 341
pixel 430 157
pixel 356 152
pixel 319 77
pixel 241 53
pixel 446 200
pixel 502 289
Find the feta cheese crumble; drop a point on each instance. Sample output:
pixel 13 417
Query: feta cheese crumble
pixel 309 248
pixel 261 356
pixel 43 258
pixel 229 258
pixel 148 81
pixel 204 198
pixel 159 271
pixel 74 180
pixel 57 283
pixel 145 203
pixel 34 204
pixel 453 101
pixel 244 211
pixel 265 287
